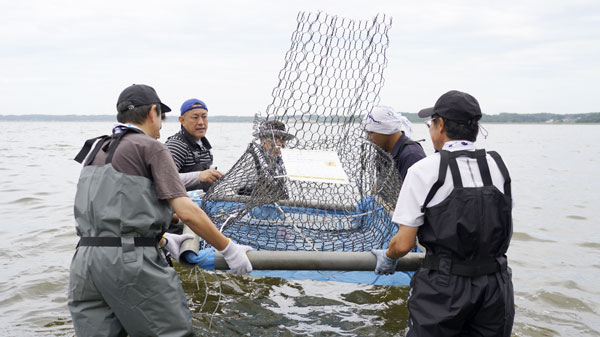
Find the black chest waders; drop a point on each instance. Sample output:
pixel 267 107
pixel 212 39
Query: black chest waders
pixel 193 147
pixel 464 286
pixel 120 283
pixel 270 175
pixel 203 159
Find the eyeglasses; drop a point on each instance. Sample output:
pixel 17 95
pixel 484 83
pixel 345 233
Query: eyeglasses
pixel 428 123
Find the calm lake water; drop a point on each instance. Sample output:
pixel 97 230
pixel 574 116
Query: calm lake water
pixel 555 251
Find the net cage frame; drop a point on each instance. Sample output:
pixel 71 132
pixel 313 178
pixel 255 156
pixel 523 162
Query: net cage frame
pixel 332 76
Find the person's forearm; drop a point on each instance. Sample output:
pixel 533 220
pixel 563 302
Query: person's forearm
pixel 402 242
pixel 201 224
pixel 192 215
pixel 396 250
pixel 190 179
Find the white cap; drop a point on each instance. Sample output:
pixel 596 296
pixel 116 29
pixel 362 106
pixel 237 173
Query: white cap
pixel 383 120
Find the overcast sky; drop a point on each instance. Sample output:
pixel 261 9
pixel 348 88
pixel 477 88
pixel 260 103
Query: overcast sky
pixel 74 57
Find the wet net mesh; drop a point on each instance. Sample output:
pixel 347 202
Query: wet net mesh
pixel 332 77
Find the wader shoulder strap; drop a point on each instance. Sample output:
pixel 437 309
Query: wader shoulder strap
pixel 484 170
pixel 408 142
pixel 479 155
pixel 185 138
pixel 504 171
pixel 441 178
pixel 116 138
pixel 448 158
pixel 456 179
pixel 191 143
pixel 87 147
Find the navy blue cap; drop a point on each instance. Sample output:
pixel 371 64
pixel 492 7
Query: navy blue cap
pixel 192 103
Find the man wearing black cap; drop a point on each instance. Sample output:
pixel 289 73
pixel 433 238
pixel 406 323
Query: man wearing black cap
pixel 458 202
pixel 120 282
pixel 270 170
pixel 191 149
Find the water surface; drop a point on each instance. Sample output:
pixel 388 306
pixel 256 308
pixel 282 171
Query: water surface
pixel 555 251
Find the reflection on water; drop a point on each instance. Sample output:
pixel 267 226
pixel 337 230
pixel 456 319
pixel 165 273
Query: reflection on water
pixel 271 306
pixel 554 253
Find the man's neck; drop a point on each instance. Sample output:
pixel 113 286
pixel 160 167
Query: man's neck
pixel 186 132
pixel 392 140
pixel 144 127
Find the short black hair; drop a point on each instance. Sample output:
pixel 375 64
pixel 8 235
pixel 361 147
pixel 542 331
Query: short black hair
pixel 136 114
pixel 460 130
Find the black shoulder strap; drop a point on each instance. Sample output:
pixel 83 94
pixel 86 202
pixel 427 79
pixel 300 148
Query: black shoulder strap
pixel 187 139
pixel 441 178
pixel 191 143
pixel 479 155
pixel 456 179
pixel 408 142
pixel 116 139
pixel 448 158
pixel 484 170
pixel 504 170
pixel 255 151
pixel 88 146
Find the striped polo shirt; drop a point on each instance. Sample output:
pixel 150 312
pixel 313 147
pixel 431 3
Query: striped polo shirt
pixel 187 154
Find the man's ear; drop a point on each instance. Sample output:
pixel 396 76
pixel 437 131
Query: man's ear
pixel 442 124
pixel 180 119
pixel 152 113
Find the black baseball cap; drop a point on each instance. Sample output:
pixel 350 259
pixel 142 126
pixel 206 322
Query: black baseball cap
pixel 139 95
pixel 456 106
pixel 273 128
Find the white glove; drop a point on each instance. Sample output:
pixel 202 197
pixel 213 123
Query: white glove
pixel 173 243
pixel 235 256
pixel 385 265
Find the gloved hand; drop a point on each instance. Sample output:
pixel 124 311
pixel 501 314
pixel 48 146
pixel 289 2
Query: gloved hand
pixel 385 265
pixel 173 243
pixel 236 258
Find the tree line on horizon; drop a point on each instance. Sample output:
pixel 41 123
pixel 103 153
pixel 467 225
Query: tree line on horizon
pixel 504 117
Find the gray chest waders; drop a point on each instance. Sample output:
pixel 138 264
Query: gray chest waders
pixel 464 284
pixel 120 283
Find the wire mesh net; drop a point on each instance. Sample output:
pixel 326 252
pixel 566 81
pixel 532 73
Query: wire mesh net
pixel 332 76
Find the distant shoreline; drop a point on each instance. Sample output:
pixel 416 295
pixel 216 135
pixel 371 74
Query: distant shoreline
pixel 505 117
pixel 107 118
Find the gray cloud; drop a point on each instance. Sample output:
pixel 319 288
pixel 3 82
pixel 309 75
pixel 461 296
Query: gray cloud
pixel 75 57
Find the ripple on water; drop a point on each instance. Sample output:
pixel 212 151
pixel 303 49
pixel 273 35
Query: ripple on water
pixel 559 300
pixel 566 284
pixel 594 245
pixel 26 200
pixel 553 319
pixel 9 190
pixel 576 217
pixel 520 236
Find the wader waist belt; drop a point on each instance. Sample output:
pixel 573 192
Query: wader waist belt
pixel 98 241
pixel 464 268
